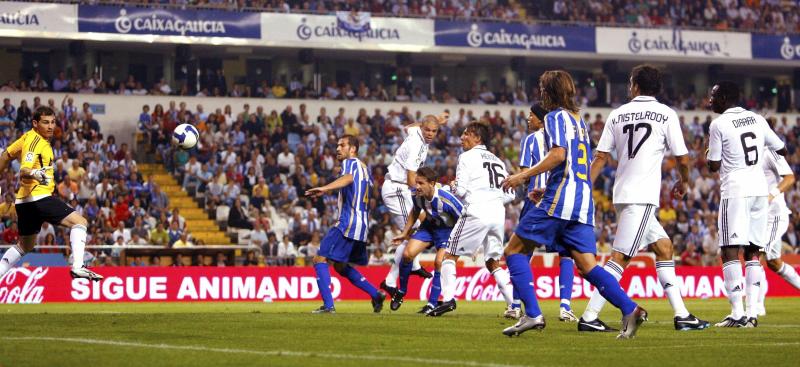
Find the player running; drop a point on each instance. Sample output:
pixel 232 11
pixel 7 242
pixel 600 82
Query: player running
pixel 564 218
pixel 737 141
pixel 442 209
pixel 639 133
pixel 35 203
pixel 396 189
pixel 531 152
pixel 345 243
pixel 478 177
pixel 779 180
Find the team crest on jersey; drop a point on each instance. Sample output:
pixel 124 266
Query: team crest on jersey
pixel 29 157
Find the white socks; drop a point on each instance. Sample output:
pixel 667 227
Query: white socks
pixel 762 294
pixel 668 280
pixel 503 280
pixel 77 240
pixel 394 272
pixel 732 274
pixel 597 301
pixel 448 279
pixel 753 273
pixel 10 258
pixel 787 272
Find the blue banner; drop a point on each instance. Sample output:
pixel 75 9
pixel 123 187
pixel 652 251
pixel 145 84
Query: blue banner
pixel 776 47
pixel 515 36
pixel 167 22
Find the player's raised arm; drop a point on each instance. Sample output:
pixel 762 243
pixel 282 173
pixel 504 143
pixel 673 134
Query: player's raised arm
pixel 406 233
pixel 554 157
pixel 337 184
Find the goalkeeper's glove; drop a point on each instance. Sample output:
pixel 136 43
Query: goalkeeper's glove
pixel 40 174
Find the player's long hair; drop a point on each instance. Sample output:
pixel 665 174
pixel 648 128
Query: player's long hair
pixel 558 91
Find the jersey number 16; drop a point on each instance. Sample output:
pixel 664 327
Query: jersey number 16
pixel 495 178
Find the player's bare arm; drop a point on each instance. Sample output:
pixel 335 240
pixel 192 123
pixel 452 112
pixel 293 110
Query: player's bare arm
pixel 787 181
pixel 406 233
pixel 335 185
pixel 679 190
pixel 554 157
pixel 599 162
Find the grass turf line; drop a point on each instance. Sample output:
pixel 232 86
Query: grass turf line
pixel 276 334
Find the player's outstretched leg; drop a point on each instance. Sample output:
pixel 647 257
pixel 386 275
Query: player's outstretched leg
pixel 358 280
pixel 566 276
pixel 665 269
pixel 522 278
pixel 786 271
pixel 516 304
pixel 589 320
pixel 11 257
pixel 632 314
pixel 753 275
pixel 503 281
pixel 418 270
pixel 77 242
pixel 436 284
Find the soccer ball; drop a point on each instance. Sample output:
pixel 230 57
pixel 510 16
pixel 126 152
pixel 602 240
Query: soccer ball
pixel 185 136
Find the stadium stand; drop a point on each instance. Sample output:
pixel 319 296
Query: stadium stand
pixel 244 183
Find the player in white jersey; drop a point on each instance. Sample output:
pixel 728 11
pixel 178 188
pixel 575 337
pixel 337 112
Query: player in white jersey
pixel 737 142
pixel 400 180
pixel 779 180
pixel 478 184
pixel 639 133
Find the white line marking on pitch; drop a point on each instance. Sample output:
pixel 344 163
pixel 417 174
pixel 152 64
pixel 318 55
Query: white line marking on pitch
pixel 275 353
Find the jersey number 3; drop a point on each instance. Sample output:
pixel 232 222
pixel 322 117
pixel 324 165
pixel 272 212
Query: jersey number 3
pixel 495 178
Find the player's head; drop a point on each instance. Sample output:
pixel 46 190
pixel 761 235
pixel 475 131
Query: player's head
pixel 347 147
pixel 557 90
pixel 426 182
pixel 44 121
pixel 475 134
pixel 645 81
pixel 724 95
pixel 429 127
pixel 536 117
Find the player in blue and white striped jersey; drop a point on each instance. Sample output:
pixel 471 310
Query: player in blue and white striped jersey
pixel 532 150
pixel 564 218
pixel 345 243
pixel 441 211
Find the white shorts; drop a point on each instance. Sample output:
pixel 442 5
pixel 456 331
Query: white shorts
pixel 776 228
pixel 471 233
pixel 637 226
pixel 397 197
pixel 743 221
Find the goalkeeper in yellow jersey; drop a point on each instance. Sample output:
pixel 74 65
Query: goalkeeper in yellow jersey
pixel 35 203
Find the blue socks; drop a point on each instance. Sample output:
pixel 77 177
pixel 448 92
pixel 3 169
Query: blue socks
pixel 436 288
pixel 359 281
pixel 324 283
pixel 516 305
pixel 566 276
pixel 522 278
pixel 405 272
pixel 609 288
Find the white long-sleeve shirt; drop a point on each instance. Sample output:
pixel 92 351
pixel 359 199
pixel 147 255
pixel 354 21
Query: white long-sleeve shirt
pixel 478 178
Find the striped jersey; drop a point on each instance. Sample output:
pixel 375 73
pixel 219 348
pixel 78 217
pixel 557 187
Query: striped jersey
pixel 441 211
pixel 568 193
pixel 409 157
pixel 531 151
pixel 354 201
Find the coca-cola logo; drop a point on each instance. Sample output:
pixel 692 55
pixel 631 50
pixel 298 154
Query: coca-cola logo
pixel 476 287
pixel 28 292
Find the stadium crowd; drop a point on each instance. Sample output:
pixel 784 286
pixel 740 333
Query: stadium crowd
pixel 769 16
pixel 213 83
pixel 258 164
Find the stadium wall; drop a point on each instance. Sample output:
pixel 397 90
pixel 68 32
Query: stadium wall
pixel 191 284
pixel 118 114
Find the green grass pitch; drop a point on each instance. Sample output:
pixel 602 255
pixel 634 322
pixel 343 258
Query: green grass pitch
pixel 286 334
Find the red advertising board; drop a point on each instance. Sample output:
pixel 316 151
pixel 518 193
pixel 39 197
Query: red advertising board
pixel 185 284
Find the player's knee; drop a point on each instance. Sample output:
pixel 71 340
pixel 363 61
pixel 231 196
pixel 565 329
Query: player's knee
pixel 340 268
pixel 663 249
pixel 492 264
pixel 407 255
pixel 319 259
pixel 437 264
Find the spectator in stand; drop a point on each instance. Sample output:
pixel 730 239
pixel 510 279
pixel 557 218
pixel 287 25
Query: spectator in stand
pixel 11 234
pixel 238 218
pixel 159 236
pixel 182 241
pixel 690 256
pixel 174 233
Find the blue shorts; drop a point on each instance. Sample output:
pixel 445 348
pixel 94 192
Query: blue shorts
pixel 556 234
pixel 335 246
pixel 526 206
pixel 436 236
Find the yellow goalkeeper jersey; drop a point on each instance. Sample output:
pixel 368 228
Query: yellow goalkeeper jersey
pixel 36 153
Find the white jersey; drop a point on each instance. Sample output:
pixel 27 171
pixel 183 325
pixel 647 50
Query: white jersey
pixel 738 138
pixel 478 178
pixel 640 132
pixel 775 167
pixel 409 157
